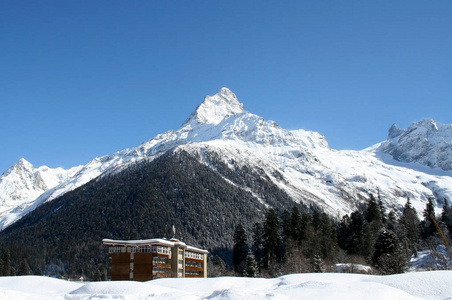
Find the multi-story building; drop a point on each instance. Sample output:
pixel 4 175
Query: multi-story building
pixel 143 260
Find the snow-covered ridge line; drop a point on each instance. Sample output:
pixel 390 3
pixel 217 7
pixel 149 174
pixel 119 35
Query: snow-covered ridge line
pixel 308 170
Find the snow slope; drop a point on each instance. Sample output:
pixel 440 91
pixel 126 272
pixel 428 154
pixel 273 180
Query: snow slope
pixel 298 161
pixel 422 285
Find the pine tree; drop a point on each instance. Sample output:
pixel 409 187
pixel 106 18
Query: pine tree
pixel 409 226
pixel 372 213
pixel 295 221
pixel 240 249
pixel 384 219
pixel 391 223
pixel 257 246
pixel 272 242
pixel 344 232
pixel 24 268
pixel 327 238
pixel 305 227
pixel 317 264
pixel 7 263
pixel 428 227
pixel 356 230
pixel 388 256
pixel 286 225
pixel 316 219
pixel 251 269
pixel 446 217
pixel 217 267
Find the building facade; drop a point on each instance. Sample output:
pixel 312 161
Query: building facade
pixel 143 260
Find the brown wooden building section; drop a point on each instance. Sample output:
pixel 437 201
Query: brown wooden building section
pixel 143 260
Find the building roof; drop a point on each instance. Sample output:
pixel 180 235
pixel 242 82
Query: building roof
pixel 163 242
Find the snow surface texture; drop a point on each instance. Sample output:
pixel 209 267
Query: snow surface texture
pixel 422 285
pixel 298 161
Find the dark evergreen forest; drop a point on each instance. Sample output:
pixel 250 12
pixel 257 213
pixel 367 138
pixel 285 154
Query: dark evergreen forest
pixel 311 241
pixel 64 237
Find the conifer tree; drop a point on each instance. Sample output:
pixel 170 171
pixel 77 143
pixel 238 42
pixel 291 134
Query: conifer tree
pixel 388 256
pixel 316 219
pixel 272 242
pixel 372 213
pixel 344 232
pixel 356 230
pixel 327 238
pixel 257 246
pixel 295 221
pixel 240 249
pixel 286 225
pixel 391 223
pixel 305 227
pixel 382 208
pixel 217 267
pixel 318 265
pixel 7 263
pixel 24 268
pixel 446 217
pixel 251 269
pixel 428 227
pixel 409 226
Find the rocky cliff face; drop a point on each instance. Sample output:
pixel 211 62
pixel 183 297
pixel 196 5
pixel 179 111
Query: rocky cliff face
pixel 427 142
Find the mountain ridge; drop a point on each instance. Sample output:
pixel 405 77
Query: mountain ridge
pixel 298 161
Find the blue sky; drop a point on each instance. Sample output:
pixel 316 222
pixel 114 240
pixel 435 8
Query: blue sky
pixel 80 79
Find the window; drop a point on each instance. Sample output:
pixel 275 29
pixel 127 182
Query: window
pixel 194 255
pixel 193 273
pixel 114 249
pixel 161 249
pixel 160 260
pixel 145 249
pixel 193 264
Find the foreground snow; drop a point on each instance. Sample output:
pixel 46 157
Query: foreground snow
pixel 421 285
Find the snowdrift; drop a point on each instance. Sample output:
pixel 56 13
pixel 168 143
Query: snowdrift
pixel 420 285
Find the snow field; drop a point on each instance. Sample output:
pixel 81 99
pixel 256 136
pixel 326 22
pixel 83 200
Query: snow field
pixel 420 285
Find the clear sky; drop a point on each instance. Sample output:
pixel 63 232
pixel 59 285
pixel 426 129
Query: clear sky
pixel 80 79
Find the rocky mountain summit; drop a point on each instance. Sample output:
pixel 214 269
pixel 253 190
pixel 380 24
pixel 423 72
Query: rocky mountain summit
pixel 427 142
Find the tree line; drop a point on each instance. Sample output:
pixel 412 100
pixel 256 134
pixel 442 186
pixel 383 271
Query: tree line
pixel 295 242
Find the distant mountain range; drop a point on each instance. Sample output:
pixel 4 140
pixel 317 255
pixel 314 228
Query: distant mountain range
pixel 414 163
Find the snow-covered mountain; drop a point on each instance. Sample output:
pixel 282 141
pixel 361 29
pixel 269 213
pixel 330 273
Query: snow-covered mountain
pixel 21 184
pixel 299 162
pixel 426 142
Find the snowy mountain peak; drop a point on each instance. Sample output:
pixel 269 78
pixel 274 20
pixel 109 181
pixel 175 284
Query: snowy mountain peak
pixel 22 165
pixel 427 142
pixel 394 131
pixel 216 108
